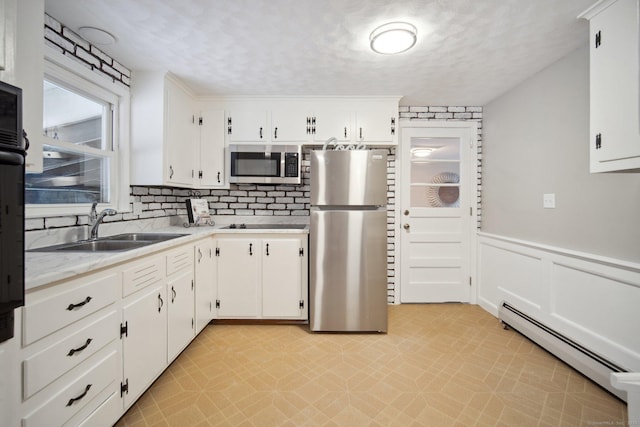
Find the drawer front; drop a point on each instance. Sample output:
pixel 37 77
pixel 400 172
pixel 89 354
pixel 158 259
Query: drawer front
pixel 179 259
pixel 44 367
pixel 142 274
pixel 105 415
pixel 59 310
pixel 66 403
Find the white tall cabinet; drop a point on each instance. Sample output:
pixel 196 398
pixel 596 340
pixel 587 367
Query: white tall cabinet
pixel 614 85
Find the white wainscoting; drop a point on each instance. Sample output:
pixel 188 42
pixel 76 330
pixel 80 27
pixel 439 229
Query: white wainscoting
pixel 591 299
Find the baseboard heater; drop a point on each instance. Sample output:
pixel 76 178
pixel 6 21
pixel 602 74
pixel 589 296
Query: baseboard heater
pixel 589 363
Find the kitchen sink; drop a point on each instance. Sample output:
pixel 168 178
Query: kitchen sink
pixel 266 226
pixel 117 243
pixel 148 237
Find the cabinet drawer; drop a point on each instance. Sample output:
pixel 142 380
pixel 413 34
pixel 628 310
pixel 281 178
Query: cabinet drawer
pixel 179 259
pixel 42 368
pixel 83 297
pixel 106 414
pixel 141 274
pixel 66 403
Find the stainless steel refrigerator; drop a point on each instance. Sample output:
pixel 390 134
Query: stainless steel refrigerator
pixel 348 241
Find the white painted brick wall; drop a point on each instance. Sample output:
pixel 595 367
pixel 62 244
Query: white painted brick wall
pixel 72 45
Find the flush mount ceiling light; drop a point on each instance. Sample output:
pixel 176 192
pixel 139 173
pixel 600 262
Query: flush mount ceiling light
pixel 392 38
pixel 421 152
pixel 96 36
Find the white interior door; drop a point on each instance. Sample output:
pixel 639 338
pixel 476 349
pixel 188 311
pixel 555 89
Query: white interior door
pixel 437 212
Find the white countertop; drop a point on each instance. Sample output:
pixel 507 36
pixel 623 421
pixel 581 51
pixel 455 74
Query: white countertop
pixel 42 268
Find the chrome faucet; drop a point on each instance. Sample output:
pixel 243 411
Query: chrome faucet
pixel 95 219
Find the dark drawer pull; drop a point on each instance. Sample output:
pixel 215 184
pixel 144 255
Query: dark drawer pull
pixel 80 304
pixel 75 399
pixel 79 349
pixel 161 303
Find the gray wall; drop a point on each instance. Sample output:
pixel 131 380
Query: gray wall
pixel 536 140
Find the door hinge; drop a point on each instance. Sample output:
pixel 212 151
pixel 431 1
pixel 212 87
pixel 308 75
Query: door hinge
pixel 301 304
pixel 217 251
pixel 301 252
pixel 598 40
pixel 200 121
pixel 192 323
pixel 191 284
pixel 469 280
pixel 229 125
pixel 200 174
pixel 124 387
pixel 217 303
pixel 124 329
pixel 598 141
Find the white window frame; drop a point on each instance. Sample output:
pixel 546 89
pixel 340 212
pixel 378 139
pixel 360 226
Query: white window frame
pixel 68 72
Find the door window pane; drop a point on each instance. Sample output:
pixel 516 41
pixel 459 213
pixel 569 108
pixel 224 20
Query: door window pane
pixel 435 172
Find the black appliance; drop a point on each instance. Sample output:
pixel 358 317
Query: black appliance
pixel 12 161
pixel 264 164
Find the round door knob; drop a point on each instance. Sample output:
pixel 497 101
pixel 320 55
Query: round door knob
pixel 406 226
pixel 406 212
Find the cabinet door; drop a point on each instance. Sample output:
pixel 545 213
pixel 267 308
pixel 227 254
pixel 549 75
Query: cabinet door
pixel 290 125
pixel 211 173
pixel 376 124
pixel 180 137
pixel 145 344
pixel 282 278
pixel 332 123
pixel 205 272
pixel 614 84
pixel 247 126
pixel 180 293
pixel 29 74
pixel 238 263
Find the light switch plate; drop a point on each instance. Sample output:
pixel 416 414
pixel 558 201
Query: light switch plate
pixel 549 200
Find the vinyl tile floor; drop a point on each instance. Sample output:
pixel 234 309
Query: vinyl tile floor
pixel 439 365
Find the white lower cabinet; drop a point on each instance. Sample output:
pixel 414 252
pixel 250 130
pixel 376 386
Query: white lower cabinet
pixel 181 324
pixel 144 340
pixel 238 261
pixel 262 276
pixel 93 344
pixel 205 276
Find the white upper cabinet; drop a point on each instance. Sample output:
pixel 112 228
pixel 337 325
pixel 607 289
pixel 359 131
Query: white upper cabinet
pixel 174 140
pixel 29 75
pixel 181 137
pixel 376 124
pixel 289 125
pixel 614 88
pixel 210 173
pixel 247 125
pixel 357 120
pixel 329 122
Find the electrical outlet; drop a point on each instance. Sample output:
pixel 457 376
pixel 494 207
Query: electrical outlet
pixel 549 200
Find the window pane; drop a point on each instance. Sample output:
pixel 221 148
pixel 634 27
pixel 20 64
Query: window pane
pixel 435 172
pixel 68 178
pixel 74 118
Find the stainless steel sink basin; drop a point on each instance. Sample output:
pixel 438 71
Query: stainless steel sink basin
pixel 118 243
pixel 148 237
pixel 266 226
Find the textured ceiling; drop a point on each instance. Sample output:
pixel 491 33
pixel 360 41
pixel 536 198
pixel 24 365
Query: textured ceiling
pixel 468 51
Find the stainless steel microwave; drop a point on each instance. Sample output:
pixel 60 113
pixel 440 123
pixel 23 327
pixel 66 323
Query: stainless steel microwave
pixel 264 164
